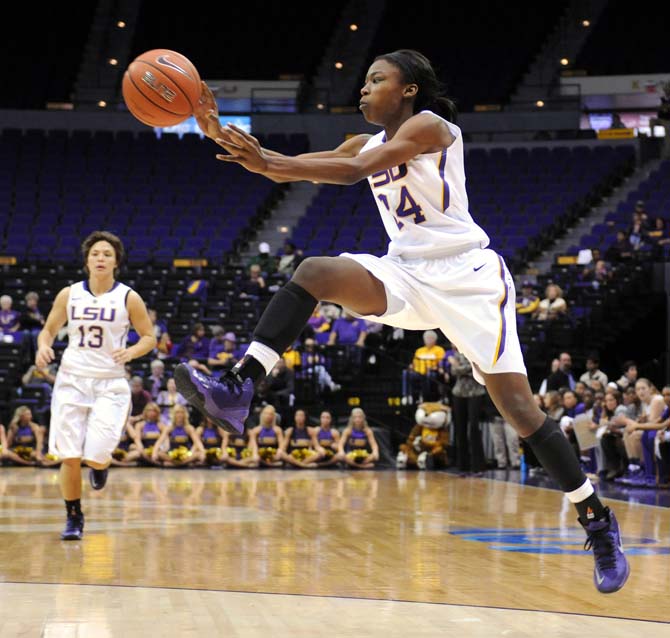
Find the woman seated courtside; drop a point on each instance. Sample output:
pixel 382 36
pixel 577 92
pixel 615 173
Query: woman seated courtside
pixel 240 450
pixel 300 448
pixel 268 438
pixel 358 444
pixel 148 430
pixel 212 439
pixel 178 444
pixel 328 439
pixel 127 451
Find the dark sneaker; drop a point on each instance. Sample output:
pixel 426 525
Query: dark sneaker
pixel 98 478
pixel 611 569
pixel 226 401
pixel 74 528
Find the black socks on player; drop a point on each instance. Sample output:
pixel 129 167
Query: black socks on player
pixel 279 326
pixel 555 454
pixel 73 508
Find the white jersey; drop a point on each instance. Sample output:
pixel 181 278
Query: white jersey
pixel 424 204
pixel 97 325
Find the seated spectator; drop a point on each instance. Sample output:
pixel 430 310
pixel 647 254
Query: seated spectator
pixel 163 341
pixel 32 319
pixel 553 406
pixel 358 445
pixel 527 301
pixel 289 260
pixel 223 351
pixel 156 381
pixel 620 250
pixel 181 440
pixel 195 345
pixel 419 379
pixel 553 306
pixel 25 439
pixel 318 326
pixel 328 439
pixel 268 438
pixel 168 398
pixel 628 376
pixel 40 377
pixel 610 433
pixel 571 409
pixel 10 320
pixel 593 372
pixel 254 285
pixel 562 377
pixel 139 399
pixel 313 366
pixel 638 229
pixel 266 261
pixel 281 386
pixel 351 331
pixel 300 448
pixel 597 272
pixel 555 364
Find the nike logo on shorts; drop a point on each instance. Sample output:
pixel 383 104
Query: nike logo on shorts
pixel 479 267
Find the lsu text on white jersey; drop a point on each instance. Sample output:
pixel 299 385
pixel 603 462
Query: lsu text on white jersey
pixel 424 204
pixel 97 325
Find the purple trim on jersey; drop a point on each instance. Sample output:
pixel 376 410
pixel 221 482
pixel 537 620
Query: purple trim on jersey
pixel 446 196
pixel 88 289
pixel 500 348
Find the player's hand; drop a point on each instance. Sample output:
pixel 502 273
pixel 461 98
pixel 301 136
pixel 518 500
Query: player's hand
pixel 122 355
pixel 206 113
pixel 45 355
pixel 243 148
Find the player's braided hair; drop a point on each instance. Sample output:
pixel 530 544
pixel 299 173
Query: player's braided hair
pixel 417 69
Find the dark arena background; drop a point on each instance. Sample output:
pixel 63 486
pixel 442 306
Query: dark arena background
pixel 564 109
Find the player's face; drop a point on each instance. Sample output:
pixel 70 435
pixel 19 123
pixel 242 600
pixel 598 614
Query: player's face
pixel 101 258
pixel 383 92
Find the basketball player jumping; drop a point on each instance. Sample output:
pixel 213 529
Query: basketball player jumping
pixel 438 273
pixel 91 396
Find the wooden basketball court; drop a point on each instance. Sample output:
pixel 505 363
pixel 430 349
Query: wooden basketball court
pixel 317 553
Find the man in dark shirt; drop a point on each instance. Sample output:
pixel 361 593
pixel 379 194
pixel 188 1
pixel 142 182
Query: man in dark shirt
pixel 562 378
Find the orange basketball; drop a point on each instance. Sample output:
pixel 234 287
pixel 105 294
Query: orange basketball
pixel 161 87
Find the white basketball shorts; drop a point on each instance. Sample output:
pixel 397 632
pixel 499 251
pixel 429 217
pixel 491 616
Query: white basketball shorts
pixel 87 416
pixel 470 297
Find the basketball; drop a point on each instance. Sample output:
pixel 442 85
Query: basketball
pixel 161 87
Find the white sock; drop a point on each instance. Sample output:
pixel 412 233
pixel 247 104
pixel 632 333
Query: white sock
pixel 263 354
pixel 581 493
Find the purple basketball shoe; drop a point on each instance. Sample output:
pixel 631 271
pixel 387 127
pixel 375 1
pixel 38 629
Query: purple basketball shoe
pixel 225 401
pixel 604 537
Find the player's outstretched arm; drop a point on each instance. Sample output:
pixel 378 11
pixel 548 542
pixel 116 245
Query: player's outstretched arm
pixel 55 321
pixel 421 133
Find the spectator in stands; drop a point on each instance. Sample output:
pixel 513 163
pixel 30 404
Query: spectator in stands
pixel 555 364
pixel 615 460
pixel 155 382
pixel 638 229
pixel 553 306
pixel 617 122
pixel 223 353
pixel 318 325
pixel 598 273
pixel 254 286
pixel 168 398
pixel 468 410
pixel 281 385
pixel 289 260
pixel 659 237
pixel 527 302
pixel 620 250
pixel 571 409
pixel 358 446
pixel 313 365
pixel 266 261
pixel 562 377
pixel 195 345
pixel 139 398
pixel 628 376
pixel 163 340
pixel 593 372
pixel 349 330
pixel 553 404
pixel 579 389
pixel 419 379
pixel 10 320
pixel 40 377
pixel 32 319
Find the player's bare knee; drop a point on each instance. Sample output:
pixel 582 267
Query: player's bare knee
pixel 312 274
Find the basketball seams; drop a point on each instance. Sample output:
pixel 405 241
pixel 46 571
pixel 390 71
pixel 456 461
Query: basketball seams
pixel 148 98
pixel 173 80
